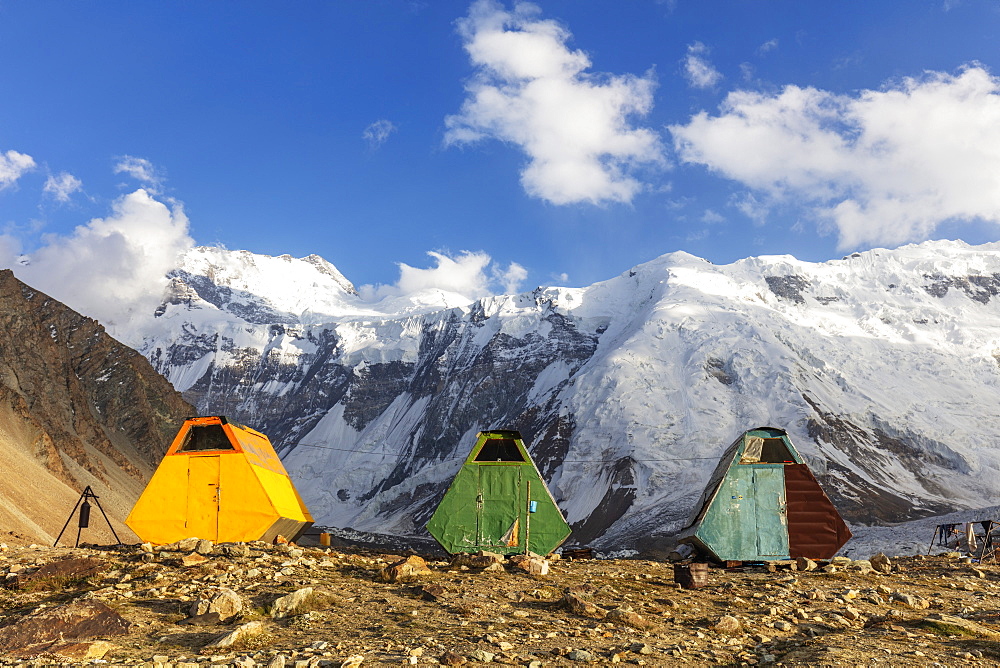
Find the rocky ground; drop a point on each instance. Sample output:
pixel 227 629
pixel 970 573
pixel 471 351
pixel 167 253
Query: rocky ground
pixel 195 604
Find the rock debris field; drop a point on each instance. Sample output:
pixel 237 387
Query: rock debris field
pixel 196 604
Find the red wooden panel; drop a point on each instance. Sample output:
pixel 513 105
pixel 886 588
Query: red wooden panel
pixel 815 528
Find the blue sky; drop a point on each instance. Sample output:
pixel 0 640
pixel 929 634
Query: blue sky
pixel 565 140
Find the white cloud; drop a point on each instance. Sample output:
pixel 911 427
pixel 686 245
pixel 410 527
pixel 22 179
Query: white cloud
pixel 378 133
pixel 883 167
pixel 467 274
pixel 111 267
pixel 699 71
pixel 61 186
pixel 510 278
pixel 142 170
pixel 769 45
pixel 711 217
pixel 532 91
pixel 12 166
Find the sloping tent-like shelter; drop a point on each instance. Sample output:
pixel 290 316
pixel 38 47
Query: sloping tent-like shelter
pixel 220 481
pixel 498 502
pixel 763 503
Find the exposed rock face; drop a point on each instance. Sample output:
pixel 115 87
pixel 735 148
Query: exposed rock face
pixel 75 620
pixel 878 365
pixel 77 408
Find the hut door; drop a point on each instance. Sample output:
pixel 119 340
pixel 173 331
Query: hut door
pixel 499 506
pixel 772 519
pixel 203 497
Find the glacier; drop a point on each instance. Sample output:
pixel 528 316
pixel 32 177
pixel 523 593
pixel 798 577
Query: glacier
pixel 883 366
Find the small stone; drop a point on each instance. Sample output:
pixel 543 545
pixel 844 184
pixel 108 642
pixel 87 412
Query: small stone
pixel 727 625
pixel 193 559
pixel 578 606
pixel 451 658
pixel 277 662
pixel 352 661
pixel 582 656
pixel 640 648
pixel 881 563
pixel 805 564
pixel 862 565
pixel 482 655
pixel 782 625
pixel 914 602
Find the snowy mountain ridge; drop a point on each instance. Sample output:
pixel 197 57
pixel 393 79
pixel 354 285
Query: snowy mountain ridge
pixel 883 367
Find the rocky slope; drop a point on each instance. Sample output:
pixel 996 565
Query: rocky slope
pixel 882 366
pixel 77 408
pixel 278 606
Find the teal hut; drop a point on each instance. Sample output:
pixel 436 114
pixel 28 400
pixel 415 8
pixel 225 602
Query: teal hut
pixel 498 502
pixel 763 503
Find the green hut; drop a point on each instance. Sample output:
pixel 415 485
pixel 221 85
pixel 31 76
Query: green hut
pixel 498 502
pixel 763 503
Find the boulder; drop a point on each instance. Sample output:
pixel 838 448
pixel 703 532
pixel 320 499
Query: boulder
pixel 578 606
pixel 225 602
pixel 79 620
pixel 481 559
pixel 58 573
pixel 248 630
pixel 406 569
pixel 530 563
pixel 628 617
pixel 193 559
pixel 290 604
pixel 957 626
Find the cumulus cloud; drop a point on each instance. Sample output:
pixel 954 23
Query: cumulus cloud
pixel 510 279
pixel 699 71
pixel 467 274
pixel 142 170
pixel 533 91
pixel 61 186
pixel 883 166
pixel 12 166
pixel 111 267
pixel 378 133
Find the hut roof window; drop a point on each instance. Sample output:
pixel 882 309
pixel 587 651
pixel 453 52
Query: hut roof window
pixel 499 450
pixel 207 437
pixel 766 451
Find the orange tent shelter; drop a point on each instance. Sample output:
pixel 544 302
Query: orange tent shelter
pixel 220 481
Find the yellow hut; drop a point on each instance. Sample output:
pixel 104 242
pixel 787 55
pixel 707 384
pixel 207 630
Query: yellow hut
pixel 220 481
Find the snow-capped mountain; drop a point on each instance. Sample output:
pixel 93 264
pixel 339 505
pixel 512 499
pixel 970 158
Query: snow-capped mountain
pixel 884 367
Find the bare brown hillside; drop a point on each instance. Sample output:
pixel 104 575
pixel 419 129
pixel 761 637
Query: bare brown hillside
pixel 77 408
